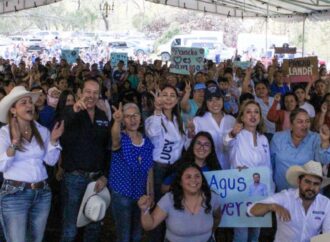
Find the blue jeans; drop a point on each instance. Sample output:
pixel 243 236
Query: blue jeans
pixel 126 215
pixel 246 234
pixel 24 212
pixel 74 187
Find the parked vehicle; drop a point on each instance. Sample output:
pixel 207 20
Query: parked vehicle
pixel 164 51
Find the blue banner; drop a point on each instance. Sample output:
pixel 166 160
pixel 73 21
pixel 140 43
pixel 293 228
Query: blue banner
pixel 116 57
pixel 70 56
pixel 237 190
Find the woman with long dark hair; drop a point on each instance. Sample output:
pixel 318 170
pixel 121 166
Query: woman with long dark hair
pixel 202 152
pixel 165 130
pixel 211 118
pixel 191 211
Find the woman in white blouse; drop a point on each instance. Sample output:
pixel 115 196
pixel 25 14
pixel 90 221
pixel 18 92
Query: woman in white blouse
pixel 25 145
pixel 248 147
pixel 211 118
pixel 165 130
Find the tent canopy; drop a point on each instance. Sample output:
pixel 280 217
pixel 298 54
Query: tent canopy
pixel 8 6
pixel 255 8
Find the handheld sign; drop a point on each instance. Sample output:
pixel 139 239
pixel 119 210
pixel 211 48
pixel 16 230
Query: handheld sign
pixel 237 190
pixel 184 59
pixel 70 56
pixel 116 57
pixel 243 64
pixel 301 69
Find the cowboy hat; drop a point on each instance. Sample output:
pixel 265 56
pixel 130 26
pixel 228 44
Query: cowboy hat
pixel 313 168
pixel 15 94
pixel 93 205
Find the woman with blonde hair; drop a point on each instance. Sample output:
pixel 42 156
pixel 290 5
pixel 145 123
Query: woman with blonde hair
pixel 248 147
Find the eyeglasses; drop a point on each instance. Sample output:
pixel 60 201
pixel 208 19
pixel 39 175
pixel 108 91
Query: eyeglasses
pixel 205 145
pixel 132 116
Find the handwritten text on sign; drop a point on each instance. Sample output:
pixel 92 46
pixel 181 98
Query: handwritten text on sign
pixel 237 190
pixel 301 69
pixel 184 59
pixel 116 57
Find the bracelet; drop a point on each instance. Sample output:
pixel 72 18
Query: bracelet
pixel 146 211
pixel 13 147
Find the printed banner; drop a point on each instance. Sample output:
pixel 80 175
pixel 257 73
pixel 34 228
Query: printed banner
pixel 300 69
pixel 237 190
pixel 70 56
pixel 243 64
pixel 116 57
pixel 184 59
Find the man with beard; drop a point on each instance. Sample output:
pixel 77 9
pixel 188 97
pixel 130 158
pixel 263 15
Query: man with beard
pixel 303 212
pixel 84 158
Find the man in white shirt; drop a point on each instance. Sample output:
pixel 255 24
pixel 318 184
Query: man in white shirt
pixel 302 212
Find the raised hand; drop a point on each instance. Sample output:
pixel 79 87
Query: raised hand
pixel 237 128
pixel 144 203
pixel 191 128
pixel 187 88
pixel 118 113
pixel 57 132
pixel 277 97
pixel 158 103
pixel 325 135
pixel 324 108
pixel 80 105
pixel 15 131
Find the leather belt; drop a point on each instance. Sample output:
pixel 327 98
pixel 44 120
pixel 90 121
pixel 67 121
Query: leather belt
pixel 90 175
pixel 27 185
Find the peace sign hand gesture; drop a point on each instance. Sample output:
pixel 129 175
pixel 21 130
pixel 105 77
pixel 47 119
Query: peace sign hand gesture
pixel 187 88
pixel 158 103
pixel 118 113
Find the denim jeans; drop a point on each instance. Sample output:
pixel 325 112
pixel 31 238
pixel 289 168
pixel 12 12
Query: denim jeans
pixel 246 234
pixel 24 212
pixel 74 187
pixel 126 215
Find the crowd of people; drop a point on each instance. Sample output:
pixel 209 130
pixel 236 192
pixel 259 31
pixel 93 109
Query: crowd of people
pixel 72 135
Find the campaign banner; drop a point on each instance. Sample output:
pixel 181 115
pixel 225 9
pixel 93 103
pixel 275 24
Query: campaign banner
pixel 243 64
pixel 300 69
pixel 237 190
pixel 70 56
pixel 116 57
pixel 184 59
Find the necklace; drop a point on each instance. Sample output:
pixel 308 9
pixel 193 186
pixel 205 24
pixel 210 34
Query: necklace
pixel 194 209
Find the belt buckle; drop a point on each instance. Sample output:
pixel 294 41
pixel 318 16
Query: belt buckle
pixel 33 186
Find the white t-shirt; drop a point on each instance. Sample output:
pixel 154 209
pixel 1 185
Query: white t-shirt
pixel 208 124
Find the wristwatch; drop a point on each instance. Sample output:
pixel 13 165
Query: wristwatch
pixel 13 146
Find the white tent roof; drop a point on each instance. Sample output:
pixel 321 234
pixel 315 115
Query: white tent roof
pixel 256 8
pixel 7 6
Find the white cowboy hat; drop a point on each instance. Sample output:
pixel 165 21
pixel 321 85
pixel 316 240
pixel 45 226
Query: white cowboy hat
pixel 310 168
pixel 15 94
pixel 93 205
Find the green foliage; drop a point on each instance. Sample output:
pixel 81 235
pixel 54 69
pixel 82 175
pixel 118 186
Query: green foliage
pixel 167 35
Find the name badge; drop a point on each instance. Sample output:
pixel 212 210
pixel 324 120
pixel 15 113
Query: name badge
pixel 102 123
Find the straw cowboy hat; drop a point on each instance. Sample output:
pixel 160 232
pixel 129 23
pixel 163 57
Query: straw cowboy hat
pixel 93 205
pixel 15 94
pixel 310 168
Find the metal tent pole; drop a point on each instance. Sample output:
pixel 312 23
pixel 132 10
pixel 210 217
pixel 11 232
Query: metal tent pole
pixel 303 37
